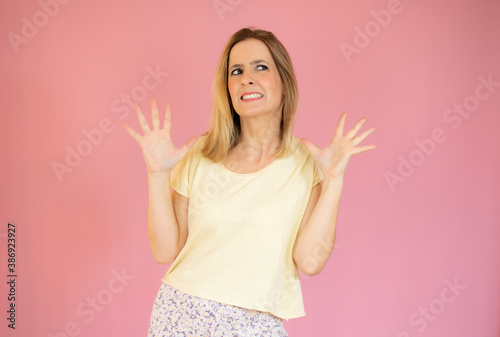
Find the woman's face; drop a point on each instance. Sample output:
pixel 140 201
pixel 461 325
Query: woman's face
pixel 253 81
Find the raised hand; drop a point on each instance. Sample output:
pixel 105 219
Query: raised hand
pixel 333 159
pixel 159 152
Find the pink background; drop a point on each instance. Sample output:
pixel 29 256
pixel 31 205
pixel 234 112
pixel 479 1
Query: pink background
pixel 412 222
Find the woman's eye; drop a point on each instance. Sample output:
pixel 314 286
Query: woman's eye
pixel 236 72
pixel 261 67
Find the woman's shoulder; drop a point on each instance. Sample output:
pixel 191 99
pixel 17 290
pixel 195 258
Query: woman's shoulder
pixel 298 148
pixel 201 139
pixel 194 154
pixel 196 149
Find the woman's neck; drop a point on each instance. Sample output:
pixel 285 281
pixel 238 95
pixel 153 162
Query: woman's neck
pixel 259 137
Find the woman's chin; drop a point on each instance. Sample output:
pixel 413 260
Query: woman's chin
pixel 254 112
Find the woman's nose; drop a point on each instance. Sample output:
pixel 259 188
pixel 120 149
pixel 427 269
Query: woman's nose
pixel 247 80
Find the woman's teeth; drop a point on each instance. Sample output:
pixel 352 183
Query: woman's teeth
pixel 244 97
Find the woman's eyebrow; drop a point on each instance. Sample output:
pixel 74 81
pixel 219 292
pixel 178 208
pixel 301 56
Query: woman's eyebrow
pixel 238 65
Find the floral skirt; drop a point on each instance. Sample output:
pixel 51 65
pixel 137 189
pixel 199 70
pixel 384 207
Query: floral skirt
pixel 176 313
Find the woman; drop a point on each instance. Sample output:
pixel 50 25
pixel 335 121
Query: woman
pixel 251 205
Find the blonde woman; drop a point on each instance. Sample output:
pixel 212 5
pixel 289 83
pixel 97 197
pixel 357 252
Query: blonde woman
pixel 251 203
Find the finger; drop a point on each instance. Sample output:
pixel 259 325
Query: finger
pixel 363 149
pixel 168 117
pixel 355 128
pixel 359 139
pixel 132 132
pixel 311 146
pixel 339 130
pixel 142 119
pixel 154 114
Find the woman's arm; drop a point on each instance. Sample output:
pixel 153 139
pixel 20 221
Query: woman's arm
pixel 167 218
pixel 167 214
pixel 316 235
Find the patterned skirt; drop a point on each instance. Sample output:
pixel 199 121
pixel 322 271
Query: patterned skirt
pixel 176 313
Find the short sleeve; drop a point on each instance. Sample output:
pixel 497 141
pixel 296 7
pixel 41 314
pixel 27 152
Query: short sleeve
pixel 310 165
pixel 182 175
pixel 317 174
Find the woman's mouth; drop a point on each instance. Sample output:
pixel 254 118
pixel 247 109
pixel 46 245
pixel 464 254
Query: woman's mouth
pixel 250 96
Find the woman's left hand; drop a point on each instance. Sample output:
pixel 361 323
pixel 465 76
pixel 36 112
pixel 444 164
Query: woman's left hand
pixel 333 159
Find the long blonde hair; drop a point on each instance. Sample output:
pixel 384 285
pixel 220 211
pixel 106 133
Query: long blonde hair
pixel 225 125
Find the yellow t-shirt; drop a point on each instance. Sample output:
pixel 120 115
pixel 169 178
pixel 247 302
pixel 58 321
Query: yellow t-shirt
pixel 242 229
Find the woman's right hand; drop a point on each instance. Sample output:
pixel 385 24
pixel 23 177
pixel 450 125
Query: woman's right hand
pixel 159 152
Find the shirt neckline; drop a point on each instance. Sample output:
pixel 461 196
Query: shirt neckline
pixel 251 173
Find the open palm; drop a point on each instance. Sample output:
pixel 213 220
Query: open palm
pixel 333 159
pixel 159 152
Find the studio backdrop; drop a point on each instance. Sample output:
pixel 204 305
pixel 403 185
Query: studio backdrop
pixel 418 236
